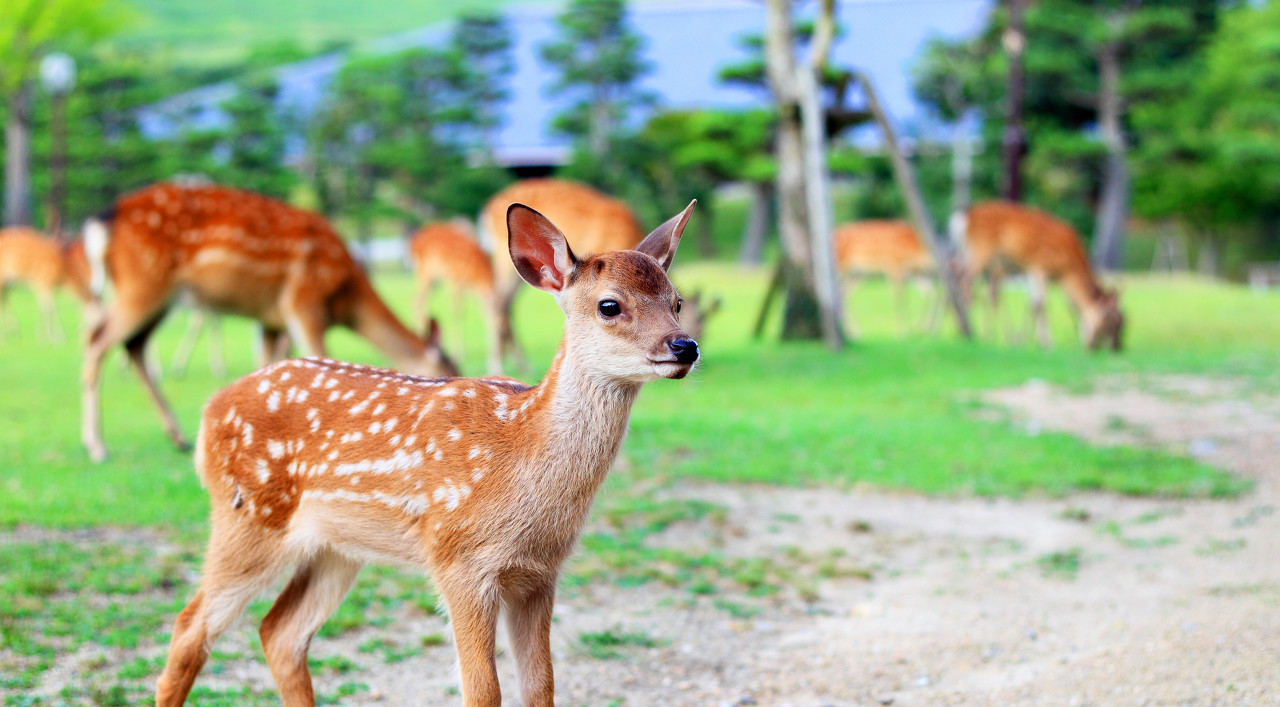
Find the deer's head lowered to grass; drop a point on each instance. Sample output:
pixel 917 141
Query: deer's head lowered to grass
pixel 483 482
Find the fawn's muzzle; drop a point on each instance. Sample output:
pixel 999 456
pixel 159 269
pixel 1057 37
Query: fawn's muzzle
pixel 684 350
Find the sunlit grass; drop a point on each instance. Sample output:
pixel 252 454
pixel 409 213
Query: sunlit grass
pixel 888 411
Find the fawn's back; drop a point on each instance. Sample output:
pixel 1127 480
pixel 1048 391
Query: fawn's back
pixel 1029 237
pixel 234 250
pixel 28 257
pixel 880 246
pixel 445 251
pixel 592 221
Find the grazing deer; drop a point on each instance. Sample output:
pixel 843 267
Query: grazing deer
pixel 446 251
pixel 483 482
pixel 594 222
pixel 43 264
pixel 235 252
pixel 890 248
pixel 1047 249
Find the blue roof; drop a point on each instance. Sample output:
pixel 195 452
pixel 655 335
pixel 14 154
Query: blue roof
pixel 687 43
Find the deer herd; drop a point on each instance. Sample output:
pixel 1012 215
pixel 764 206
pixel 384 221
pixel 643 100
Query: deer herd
pixel 484 483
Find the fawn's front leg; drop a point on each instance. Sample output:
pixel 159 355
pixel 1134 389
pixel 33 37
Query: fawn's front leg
pixel 473 613
pixel 529 627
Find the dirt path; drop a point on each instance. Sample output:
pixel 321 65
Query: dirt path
pixel 1087 600
pixel 972 602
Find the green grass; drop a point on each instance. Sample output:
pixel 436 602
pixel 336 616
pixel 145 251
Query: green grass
pixel 609 643
pixel 888 412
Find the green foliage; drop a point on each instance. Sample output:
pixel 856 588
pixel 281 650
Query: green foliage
pixel 1212 149
pixel 394 136
pixel 600 61
pixel 1157 42
pixel 30 28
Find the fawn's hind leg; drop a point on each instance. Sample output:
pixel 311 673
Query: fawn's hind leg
pixel 312 595
pixel 240 563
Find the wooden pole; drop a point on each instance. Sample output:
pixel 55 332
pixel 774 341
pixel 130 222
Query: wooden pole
pixel 906 178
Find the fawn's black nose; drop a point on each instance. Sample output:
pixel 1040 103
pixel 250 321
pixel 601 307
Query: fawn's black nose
pixel 685 350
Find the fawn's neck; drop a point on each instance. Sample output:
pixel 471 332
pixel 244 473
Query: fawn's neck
pixel 1082 288
pixel 371 319
pixel 581 419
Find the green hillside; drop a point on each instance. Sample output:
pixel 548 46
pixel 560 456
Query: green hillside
pixel 206 34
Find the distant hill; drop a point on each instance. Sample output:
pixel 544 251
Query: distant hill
pixel 206 34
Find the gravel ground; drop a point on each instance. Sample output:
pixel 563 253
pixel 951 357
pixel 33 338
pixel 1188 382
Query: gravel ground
pixel 1085 600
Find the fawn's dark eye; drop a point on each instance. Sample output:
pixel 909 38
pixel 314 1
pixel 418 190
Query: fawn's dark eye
pixel 679 304
pixel 609 308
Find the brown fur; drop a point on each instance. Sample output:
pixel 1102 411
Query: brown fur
pixel 43 264
pixel 889 248
pixel 591 221
pixel 1048 250
pixel 241 253
pixel 485 483
pixel 445 251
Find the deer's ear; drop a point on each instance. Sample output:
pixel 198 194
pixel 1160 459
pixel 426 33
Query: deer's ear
pixel 662 243
pixel 538 249
pixel 432 335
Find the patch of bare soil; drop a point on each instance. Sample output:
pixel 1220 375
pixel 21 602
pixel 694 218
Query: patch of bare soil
pixel 972 602
pixel 1088 600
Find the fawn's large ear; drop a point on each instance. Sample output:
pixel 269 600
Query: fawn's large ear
pixel 538 249
pixel 662 243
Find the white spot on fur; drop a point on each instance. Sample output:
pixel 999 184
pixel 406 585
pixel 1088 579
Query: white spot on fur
pixel 275 449
pixel 375 428
pixel 264 472
pixel 273 402
pixel 469 392
pixel 380 409
pixel 455 434
pixel 264 385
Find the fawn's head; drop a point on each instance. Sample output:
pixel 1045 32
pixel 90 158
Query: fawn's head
pixel 1103 324
pixel 620 307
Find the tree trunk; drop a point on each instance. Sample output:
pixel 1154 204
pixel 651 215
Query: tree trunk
pixel 961 169
pixel 757 224
pixel 910 188
pixel 1014 138
pixel 1113 209
pixel 818 199
pixel 17 163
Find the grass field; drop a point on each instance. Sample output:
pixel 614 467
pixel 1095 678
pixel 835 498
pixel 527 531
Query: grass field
pixel 889 412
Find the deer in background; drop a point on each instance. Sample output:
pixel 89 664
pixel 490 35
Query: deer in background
pixel 234 252
pixel 695 313
pixel 1046 249
pixel 593 222
pixel 890 248
pixel 44 264
pixel 446 251
pixel 484 482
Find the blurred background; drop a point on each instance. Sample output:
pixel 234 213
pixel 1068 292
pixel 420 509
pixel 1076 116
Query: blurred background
pixel 842 505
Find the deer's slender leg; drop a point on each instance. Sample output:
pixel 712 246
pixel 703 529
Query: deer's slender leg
pixel 119 323
pixel 473 612
pixel 187 346
pixel 851 321
pixel 1036 287
pixel 48 306
pixel 315 591
pixel 136 346
pixel 899 280
pixel 240 563
pixel 529 627
pixel 275 346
